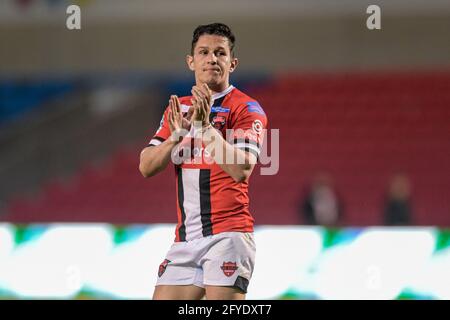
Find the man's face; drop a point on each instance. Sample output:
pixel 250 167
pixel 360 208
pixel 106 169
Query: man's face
pixel 212 61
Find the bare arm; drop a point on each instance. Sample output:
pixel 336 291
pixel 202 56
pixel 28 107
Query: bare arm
pixel 155 159
pixel 237 163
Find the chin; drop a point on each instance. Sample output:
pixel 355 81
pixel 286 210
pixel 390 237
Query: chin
pixel 213 81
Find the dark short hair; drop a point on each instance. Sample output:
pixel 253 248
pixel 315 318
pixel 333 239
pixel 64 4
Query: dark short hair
pixel 218 29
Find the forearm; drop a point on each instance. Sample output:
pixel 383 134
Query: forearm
pixel 155 159
pixel 236 162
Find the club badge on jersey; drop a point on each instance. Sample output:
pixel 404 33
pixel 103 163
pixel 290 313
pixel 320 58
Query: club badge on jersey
pixel 218 122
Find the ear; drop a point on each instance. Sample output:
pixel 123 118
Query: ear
pixel 190 62
pixel 234 63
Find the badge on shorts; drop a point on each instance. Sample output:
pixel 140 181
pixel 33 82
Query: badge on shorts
pixel 229 268
pixel 162 267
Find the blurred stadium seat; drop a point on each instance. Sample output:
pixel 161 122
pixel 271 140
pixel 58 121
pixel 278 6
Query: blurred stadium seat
pixel 359 127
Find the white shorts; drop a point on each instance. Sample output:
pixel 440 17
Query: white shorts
pixel 224 259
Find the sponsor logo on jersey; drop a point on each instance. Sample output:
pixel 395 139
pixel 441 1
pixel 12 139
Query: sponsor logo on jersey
pixel 162 267
pixel 229 268
pixel 257 126
pixel 220 109
pixel 218 122
pixel 254 106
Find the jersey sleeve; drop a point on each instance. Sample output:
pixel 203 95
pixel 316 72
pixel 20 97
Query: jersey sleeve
pixel 249 128
pixel 163 132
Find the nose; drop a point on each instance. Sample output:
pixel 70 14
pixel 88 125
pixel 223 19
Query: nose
pixel 212 58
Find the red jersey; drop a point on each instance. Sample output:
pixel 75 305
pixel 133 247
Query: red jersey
pixel 209 201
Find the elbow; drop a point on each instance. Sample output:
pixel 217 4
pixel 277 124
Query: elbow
pixel 145 172
pixel 147 166
pixel 241 177
pixel 243 174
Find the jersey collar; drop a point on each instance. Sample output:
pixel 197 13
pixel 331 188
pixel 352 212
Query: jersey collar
pixel 223 93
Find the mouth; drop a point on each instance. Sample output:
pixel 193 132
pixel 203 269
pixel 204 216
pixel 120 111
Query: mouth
pixel 212 70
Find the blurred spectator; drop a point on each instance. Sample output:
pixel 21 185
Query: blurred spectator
pixel 322 205
pixel 397 207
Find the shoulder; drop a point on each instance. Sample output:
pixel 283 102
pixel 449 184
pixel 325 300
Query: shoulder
pixel 185 100
pixel 246 104
pixel 240 97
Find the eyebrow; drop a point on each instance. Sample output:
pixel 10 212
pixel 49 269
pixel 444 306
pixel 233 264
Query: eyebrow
pixel 208 48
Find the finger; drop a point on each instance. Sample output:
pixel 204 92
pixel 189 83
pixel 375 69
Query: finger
pixel 205 106
pixel 197 93
pixel 171 104
pixel 197 98
pixel 194 104
pixel 169 118
pixel 202 97
pixel 194 94
pixel 197 116
pixel 207 89
pixel 207 92
pixel 175 110
pixel 190 111
pixel 172 112
pixel 203 90
pixel 199 102
pixel 194 88
pixel 200 110
pixel 172 116
pixel 194 113
pixel 205 109
pixel 199 89
pixel 177 104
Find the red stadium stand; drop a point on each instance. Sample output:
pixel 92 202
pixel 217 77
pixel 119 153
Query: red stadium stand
pixel 361 128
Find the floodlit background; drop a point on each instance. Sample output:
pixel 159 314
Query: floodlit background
pixel 360 206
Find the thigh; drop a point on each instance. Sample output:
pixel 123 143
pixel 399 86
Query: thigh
pixel 229 263
pixel 224 293
pixel 171 292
